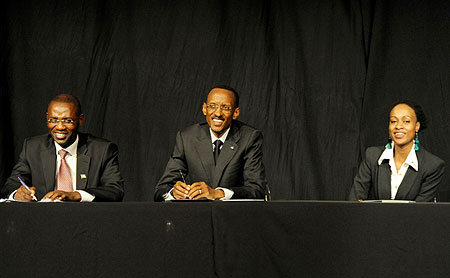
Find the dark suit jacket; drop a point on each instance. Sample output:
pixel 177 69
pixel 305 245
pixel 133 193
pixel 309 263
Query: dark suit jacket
pixel 239 167
pixel 97 167
pixel 373 181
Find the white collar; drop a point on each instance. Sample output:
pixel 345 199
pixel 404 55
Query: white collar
pixel 222 138
pixel 411 160
pixel 72 149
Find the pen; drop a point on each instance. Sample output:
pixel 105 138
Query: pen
pixel 182 176
pixel 23 183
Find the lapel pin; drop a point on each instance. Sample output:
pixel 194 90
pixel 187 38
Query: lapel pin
pixel 232 147
pixel 83 176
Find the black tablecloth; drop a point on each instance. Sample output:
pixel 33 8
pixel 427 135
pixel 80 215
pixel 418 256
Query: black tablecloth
pixel 225 239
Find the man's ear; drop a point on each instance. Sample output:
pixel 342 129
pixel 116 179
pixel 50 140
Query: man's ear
pixel 81 119
pixel 236 113
pixel 204 108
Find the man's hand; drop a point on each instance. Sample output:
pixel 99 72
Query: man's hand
pixel 180 190
pixel 202 190
pixel 25 195
pixel 63 196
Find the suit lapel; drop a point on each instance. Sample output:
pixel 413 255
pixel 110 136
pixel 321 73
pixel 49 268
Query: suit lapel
pixel 384 181
pixel 407 184
pixel 408 181
pixel 229 149
pixel 48 162
pixel 83 161
pixel 205 151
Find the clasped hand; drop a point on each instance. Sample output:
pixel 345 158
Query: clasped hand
pixel 196 191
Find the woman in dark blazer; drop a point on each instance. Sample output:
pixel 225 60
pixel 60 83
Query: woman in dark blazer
pixel 402 170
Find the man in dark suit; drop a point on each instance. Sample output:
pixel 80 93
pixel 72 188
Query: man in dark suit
pixel 66 165
pixel 220 159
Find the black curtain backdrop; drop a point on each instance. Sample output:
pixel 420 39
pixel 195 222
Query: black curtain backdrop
pixel 317 77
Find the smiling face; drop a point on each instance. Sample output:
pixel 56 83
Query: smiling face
pixel 403 125
pixel 217 112
pixel 64 131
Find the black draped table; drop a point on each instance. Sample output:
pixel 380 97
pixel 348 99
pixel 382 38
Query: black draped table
pixel 225 239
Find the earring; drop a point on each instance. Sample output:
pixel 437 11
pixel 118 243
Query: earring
pixel 389 144
pixel 416 142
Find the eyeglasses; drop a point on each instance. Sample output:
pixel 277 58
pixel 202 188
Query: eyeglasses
pixel 66 121
pixel 213 107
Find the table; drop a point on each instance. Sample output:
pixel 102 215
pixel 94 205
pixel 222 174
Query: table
pixel 225 239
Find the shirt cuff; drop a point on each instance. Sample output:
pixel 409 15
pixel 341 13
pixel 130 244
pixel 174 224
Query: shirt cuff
pixel 228 193
pixel 168 196
pixel 11 196
pixel 85 197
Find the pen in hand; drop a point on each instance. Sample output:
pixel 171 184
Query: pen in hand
pixel 184 181
pixel 23 183
pixel 182 176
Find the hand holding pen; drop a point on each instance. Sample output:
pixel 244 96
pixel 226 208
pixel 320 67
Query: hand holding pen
pixel 24 192
pixel 181 189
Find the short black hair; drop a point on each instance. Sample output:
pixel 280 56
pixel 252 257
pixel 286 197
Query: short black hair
pixel 229 88
pixel 420 115
pixel 68 98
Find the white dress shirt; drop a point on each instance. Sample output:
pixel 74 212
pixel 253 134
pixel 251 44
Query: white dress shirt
pixel 397 176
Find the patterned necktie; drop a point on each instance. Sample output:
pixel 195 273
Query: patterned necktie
pixel 217 145
pixel 64 180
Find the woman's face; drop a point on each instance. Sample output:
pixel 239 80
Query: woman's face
pixel 403 125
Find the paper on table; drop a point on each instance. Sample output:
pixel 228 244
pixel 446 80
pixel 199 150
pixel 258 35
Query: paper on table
pixel 46 200
pixel 244 200
pixel 389 201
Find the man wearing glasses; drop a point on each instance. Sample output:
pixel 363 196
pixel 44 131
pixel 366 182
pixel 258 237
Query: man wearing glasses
pixel 66 165
pixel 219 159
